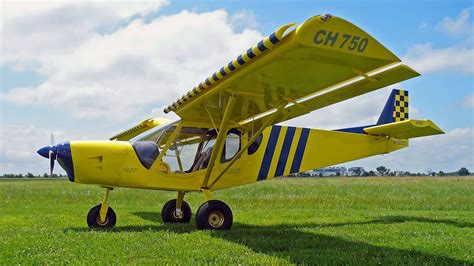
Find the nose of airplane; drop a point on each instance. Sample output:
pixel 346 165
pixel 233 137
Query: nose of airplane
pixel 45 151
pixel 61 152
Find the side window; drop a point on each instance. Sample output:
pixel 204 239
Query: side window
pixel 254 146
pixel 232 145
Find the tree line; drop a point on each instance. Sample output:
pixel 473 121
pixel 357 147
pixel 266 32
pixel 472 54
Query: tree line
pixel 31 175
pixel 379 171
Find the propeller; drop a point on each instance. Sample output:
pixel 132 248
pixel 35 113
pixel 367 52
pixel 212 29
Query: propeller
pixel 52 157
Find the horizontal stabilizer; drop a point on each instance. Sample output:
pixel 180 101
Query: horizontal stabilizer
pixel 406 129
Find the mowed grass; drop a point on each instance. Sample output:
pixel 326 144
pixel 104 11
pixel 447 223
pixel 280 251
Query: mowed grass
pixel 282 221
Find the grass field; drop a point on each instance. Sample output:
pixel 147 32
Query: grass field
pixel 283 221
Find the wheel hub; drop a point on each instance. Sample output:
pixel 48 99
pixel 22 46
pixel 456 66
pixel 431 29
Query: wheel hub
pixel 178 214
pixel 99 222
pixel 216 219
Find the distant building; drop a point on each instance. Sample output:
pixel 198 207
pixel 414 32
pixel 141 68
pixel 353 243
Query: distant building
pixel 330 171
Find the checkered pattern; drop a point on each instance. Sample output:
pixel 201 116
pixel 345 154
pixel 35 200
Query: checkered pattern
pixel 401 106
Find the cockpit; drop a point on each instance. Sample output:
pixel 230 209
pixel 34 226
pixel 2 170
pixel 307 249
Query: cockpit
pixel 190 149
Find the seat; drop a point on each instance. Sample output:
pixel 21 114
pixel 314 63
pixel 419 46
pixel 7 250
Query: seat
pixel 203 159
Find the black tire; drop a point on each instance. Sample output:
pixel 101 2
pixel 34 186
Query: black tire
pixel 93 218
pixel 214 215
pixel 168 214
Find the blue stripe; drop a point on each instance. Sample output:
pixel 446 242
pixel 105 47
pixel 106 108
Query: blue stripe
pixel 250 53
pixel 295 166
pixel 285 150
pixel 273 38
pixel 223 73
pixel 231 66
pixel 214 76
pixel 240 60
pixel 201 86
pixel 261 46
pixel 195 90
pixel 208 82
pixel 267 157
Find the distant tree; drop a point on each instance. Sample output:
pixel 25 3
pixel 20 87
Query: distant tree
pixel 357 171
pixel 371 173
pixel 381 170
pixel 463 171
pixel 45 175
pixel 407 173
pixel 320 175
pixel 338 174
pixel 441 173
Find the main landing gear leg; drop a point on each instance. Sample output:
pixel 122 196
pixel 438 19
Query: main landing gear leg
pixel 102 216
pixel 176 210
pixel 213 214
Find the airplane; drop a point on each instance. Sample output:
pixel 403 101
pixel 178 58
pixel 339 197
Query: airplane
pixel 229 135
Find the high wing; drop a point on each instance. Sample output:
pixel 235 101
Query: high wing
pixel 140 128
pixel 323 61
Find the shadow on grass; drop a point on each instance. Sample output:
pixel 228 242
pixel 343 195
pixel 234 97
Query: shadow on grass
pixel 402 219
pixel 292 243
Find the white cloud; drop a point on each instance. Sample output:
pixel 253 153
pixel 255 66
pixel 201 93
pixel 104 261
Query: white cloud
pixel 455 58
pixel 425 58
pixel 244 19
pixel 448 152
pixel 461 25
pixel 114 76
pixel 36 32
pixel 469 101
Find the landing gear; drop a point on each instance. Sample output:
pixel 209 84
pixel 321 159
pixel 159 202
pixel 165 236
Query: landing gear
pixel 102 216
pixel 214 215
pixel 176 210
pixel 94 221
pixel 170 213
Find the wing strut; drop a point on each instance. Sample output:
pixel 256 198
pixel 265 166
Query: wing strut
pixel 250 142
pixel 217 151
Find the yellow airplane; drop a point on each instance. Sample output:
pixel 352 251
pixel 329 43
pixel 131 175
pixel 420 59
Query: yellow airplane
pixel 227 135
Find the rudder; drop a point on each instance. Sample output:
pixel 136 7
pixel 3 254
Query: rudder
pixel 396 108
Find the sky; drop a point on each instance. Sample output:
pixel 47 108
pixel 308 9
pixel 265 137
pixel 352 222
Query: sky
pixel 88 70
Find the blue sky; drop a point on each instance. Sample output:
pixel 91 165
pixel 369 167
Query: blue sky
pixel 61 62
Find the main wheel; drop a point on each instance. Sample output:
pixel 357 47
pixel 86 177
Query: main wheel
pixel 214 215
pixel 93 218
pixel 169 215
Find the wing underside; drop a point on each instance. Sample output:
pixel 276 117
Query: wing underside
pixel 323 61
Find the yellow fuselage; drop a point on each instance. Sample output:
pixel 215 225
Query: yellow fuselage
pixel 283 151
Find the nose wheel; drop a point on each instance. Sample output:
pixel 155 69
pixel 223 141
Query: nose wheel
pixel 94 221
pixel 171 214
pixel 214 215
pixel 102 216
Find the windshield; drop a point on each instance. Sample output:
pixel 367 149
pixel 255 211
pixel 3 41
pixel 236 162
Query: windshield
pixel 156 134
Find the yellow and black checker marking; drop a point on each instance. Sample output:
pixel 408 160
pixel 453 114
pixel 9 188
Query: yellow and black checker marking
pixel 400 111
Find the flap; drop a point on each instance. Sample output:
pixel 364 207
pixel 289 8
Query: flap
pixel 406 129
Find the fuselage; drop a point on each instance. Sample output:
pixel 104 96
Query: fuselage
pixel 281 151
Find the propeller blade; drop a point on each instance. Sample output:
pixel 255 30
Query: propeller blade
pixel 51 163
pixel 52 139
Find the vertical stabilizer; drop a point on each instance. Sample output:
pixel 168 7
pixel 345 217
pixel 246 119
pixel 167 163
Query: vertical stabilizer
pixel 396 108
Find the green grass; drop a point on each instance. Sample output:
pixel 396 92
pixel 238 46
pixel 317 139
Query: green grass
pixel 283 221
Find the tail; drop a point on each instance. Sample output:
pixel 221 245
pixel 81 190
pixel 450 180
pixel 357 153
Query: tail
pixel 394 121
pixel 396 108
